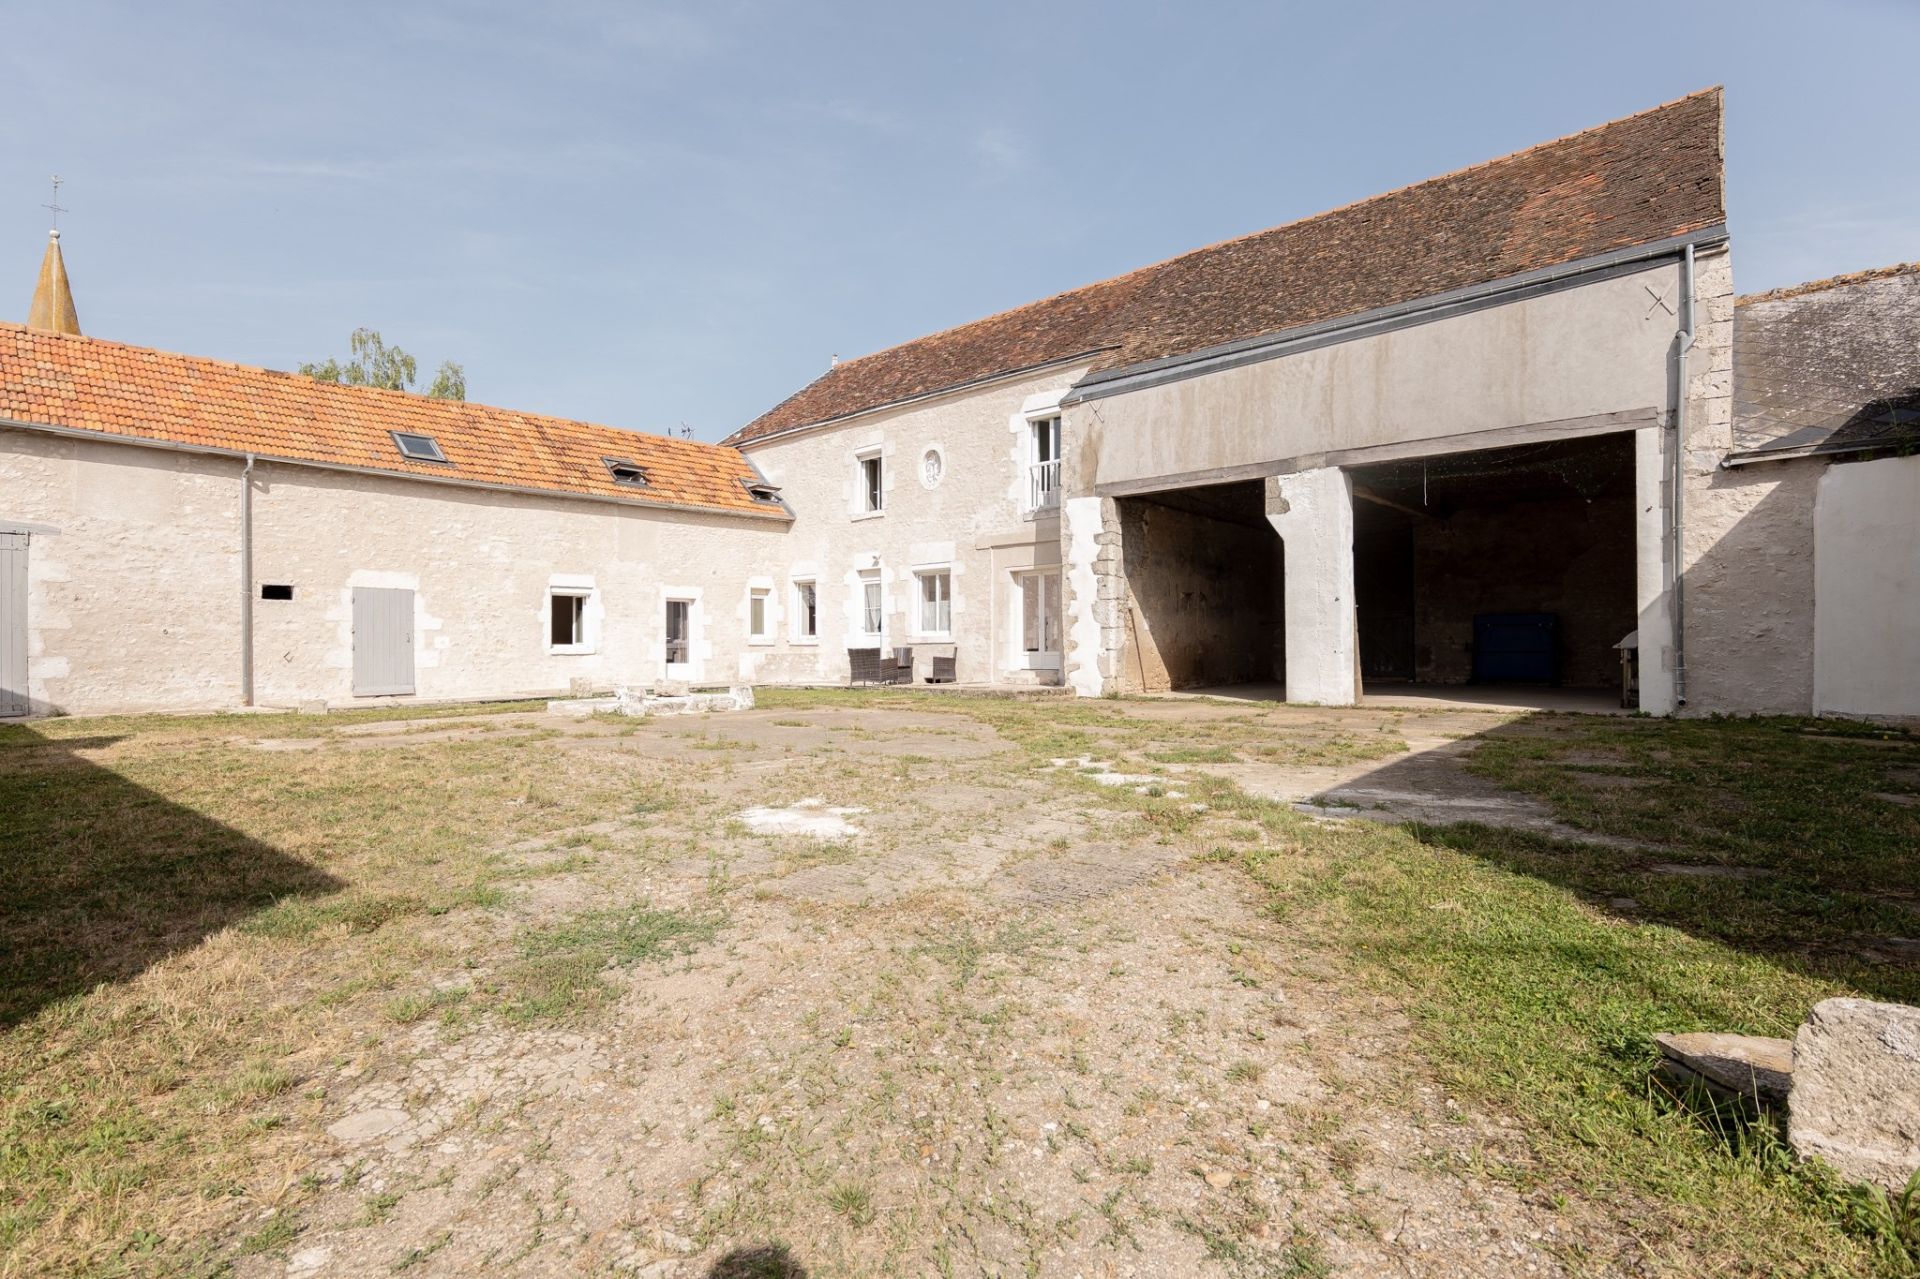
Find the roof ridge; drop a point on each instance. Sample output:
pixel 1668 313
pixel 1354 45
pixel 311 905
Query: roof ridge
pixel 1217 245
pixel 1830 282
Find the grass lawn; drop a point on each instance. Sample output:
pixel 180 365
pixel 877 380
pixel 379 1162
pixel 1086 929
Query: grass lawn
pixel 212 925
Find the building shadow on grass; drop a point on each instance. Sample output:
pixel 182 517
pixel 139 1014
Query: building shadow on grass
pixel 761 1261
pixel 101 878
pixel 1788 839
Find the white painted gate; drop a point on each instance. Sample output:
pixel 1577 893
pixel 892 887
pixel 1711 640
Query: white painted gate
pixel 382 641
pixel 13 624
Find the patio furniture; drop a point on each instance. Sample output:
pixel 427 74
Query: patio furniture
pixel 940 665
pixel 867 668
pixel 902 666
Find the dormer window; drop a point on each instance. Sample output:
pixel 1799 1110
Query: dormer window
pixel 418 448
pixel 626 473
pixel 761 491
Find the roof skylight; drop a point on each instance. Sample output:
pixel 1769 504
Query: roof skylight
pixel 418 448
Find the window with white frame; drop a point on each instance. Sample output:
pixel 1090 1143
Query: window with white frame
pixel 679 632
pixel 873 491
pixel 567 619
pixel 806 611
pixel 873 617
pixel 757 622
pixel 936 601
pixel 1043 470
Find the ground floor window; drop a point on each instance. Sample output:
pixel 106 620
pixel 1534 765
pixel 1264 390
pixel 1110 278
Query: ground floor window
pixel 806 611
pixel 872 610
pixel 567 621
pixel 936 602
pixel 1040 614
pixel 679 629
pixel 757 614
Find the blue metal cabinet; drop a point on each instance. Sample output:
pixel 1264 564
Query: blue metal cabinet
pixel 1515 648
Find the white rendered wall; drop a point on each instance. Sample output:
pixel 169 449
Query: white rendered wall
pixel 1867 589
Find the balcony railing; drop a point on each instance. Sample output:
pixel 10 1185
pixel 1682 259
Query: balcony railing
pixel 1043 492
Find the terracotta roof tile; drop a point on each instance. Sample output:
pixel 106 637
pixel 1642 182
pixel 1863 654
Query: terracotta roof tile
pixel 85 384
pixel 1635 181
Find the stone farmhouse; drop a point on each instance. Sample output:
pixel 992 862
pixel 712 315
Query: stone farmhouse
pixel 1494 427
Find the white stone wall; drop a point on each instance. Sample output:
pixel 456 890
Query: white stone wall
pixel 482 565
pixel 974 521
pixel 1746 539
pixel 136 603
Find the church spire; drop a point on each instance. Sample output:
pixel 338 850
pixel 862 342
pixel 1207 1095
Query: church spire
pixel 52 308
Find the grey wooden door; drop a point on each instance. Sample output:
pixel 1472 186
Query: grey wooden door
pixel 13 623
pixel 382 641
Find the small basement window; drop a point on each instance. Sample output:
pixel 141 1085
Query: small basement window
pixel 419 448
pixel 269 591
pixel 628 473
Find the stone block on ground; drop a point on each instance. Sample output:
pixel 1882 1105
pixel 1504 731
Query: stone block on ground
pixel 583 708
pixel 1757 1067
pixel 1856 1089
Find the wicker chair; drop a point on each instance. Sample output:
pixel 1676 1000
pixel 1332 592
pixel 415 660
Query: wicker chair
pixel 942 671
pixel 867 668
pixel 902 666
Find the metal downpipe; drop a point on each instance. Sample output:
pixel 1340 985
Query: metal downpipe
pixel 246 583
pixel 1683 342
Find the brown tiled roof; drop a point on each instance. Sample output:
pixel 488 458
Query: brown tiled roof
pixel 1785 292
pixel 1635 181
pixel 1831 366
pixel 85 384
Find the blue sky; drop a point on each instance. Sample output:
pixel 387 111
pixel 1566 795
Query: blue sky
pixel 650 213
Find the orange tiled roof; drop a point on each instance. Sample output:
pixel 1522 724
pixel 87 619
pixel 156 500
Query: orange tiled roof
pixel 85 384
pixel 1636 181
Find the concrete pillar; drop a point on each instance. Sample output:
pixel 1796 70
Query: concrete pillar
pixel 1653 561
pixel 1312 511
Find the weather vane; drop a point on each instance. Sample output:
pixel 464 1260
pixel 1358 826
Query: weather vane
pixel 54 203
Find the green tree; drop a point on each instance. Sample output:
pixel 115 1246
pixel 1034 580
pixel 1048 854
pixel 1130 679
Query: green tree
pixel 374 363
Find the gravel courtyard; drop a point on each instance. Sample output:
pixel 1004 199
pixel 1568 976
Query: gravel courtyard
pixel 840 986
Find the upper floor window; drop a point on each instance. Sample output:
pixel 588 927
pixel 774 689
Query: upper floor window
pixel 1043 482
pixel 873 493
